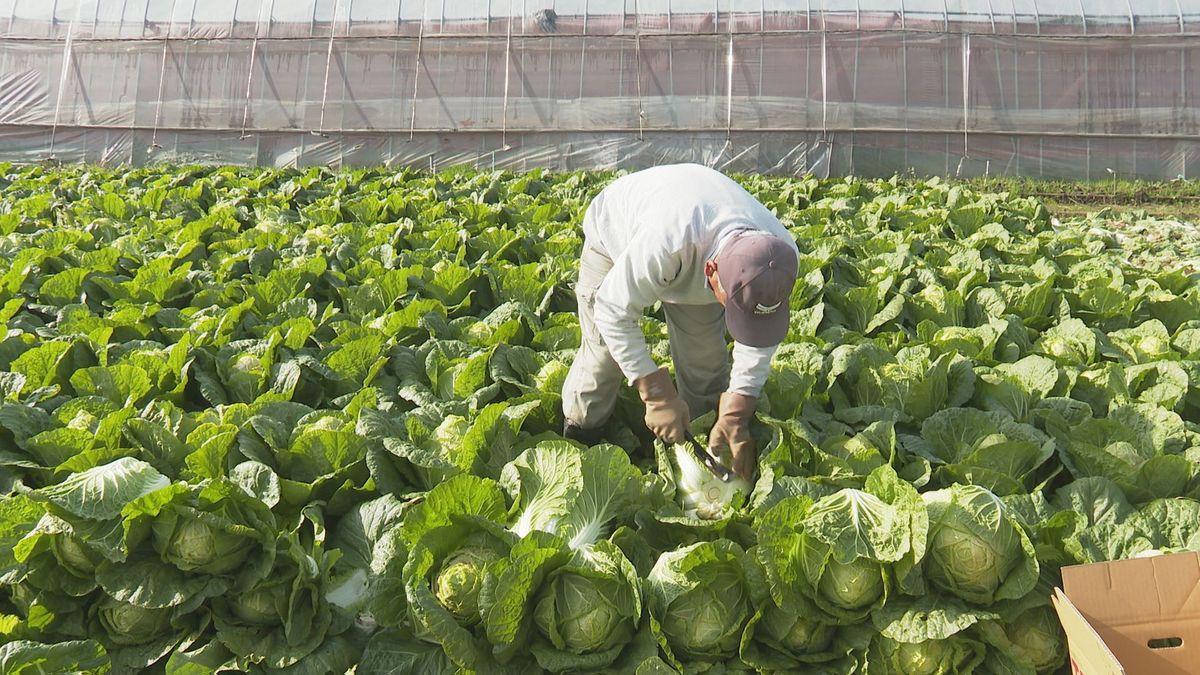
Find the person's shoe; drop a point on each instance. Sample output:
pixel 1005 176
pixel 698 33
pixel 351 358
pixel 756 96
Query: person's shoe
pixel 587 437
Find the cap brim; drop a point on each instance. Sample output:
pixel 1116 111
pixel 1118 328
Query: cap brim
pixel 755 330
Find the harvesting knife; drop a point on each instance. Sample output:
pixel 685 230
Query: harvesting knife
pixel 715 466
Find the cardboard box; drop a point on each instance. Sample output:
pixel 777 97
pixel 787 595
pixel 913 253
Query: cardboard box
pixel 1137 617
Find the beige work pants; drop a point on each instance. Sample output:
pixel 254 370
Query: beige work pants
pixel 698 348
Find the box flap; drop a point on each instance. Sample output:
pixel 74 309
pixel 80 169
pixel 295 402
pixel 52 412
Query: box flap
pixel 1089 655
pixel 1136 590
pixel 1146 610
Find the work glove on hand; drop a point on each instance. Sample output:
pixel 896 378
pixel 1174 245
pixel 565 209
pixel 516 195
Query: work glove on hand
pixel 667 415
pixel 733 430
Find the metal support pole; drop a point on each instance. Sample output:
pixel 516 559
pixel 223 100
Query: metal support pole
pixel 391 150
pixel 328 65
pixel 945 51
pixel 807 82
pixel 671 76
pixel 1087 144
pixel 904 83
pixel 583 53
pixel 621 64
pixel 762 52
pixel 412 120
pixel 999 76
pixel 729 88
pixel 1183 98
pixel 62 82
pixel 249 86
pixel 582 67
pixel 762 60
pixel 966 85
pixel 637 76
pixel 824 83
pixel 551 91
pixel 1087 104
pixel 1133 88
pixel 1016 77
pixel 507 75
pixel 854 90
pixel 162 83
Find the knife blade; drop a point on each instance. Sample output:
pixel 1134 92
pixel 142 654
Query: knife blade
pixel 712 463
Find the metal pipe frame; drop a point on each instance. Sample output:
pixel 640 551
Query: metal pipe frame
pixel 617 130
pixel 542 36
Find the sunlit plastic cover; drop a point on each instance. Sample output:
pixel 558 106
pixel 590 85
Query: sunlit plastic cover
pixel 1075 88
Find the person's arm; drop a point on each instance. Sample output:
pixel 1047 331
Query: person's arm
pixel 634 283
pixel 751 366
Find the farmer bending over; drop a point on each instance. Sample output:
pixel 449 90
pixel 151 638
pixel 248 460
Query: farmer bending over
pixel 691 238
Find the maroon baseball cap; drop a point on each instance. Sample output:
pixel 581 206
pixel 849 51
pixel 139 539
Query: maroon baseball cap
pixel 757 271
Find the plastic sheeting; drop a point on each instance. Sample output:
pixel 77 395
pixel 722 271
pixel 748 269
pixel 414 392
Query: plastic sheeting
pixel 1026 87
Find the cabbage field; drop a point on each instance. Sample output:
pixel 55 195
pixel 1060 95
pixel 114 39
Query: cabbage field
pixel 307 421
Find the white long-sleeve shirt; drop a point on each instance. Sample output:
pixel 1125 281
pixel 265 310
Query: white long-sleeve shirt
pixel 659 226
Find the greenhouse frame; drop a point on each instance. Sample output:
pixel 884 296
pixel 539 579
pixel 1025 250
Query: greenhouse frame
pixel 1089 89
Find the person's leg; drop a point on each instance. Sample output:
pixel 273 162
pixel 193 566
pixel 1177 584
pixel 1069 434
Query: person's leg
pixel 594 379
pixel 700 353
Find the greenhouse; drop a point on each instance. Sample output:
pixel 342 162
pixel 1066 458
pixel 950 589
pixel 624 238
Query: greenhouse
pixel 1087 89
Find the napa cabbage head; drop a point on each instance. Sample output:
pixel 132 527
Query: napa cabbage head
pixel 703 596
pixel 247 363
pixel 977 550
pixel 551 376
pixel 243 369
pixel 455 545
pixel 565 581
pixel 126 624
pixel 583 614
pixel 1144 343
pixel 1038 637
pixel 285 616
pixel 794 633
pixel 700 493
pixel 450 432
pixel 218 529
pixel 460 578
pixel 1058 347
pixel 1071 341
pixel 851 541
pixel 574 610
pixel 968 564
pixel 75 557
pixel 198 544
pixel 844 551
pixel 708 619
pixel 949 656
pixel 1153 345
pixel 262 606
pixel 325 423
pixel 921 658
pixel 853 585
